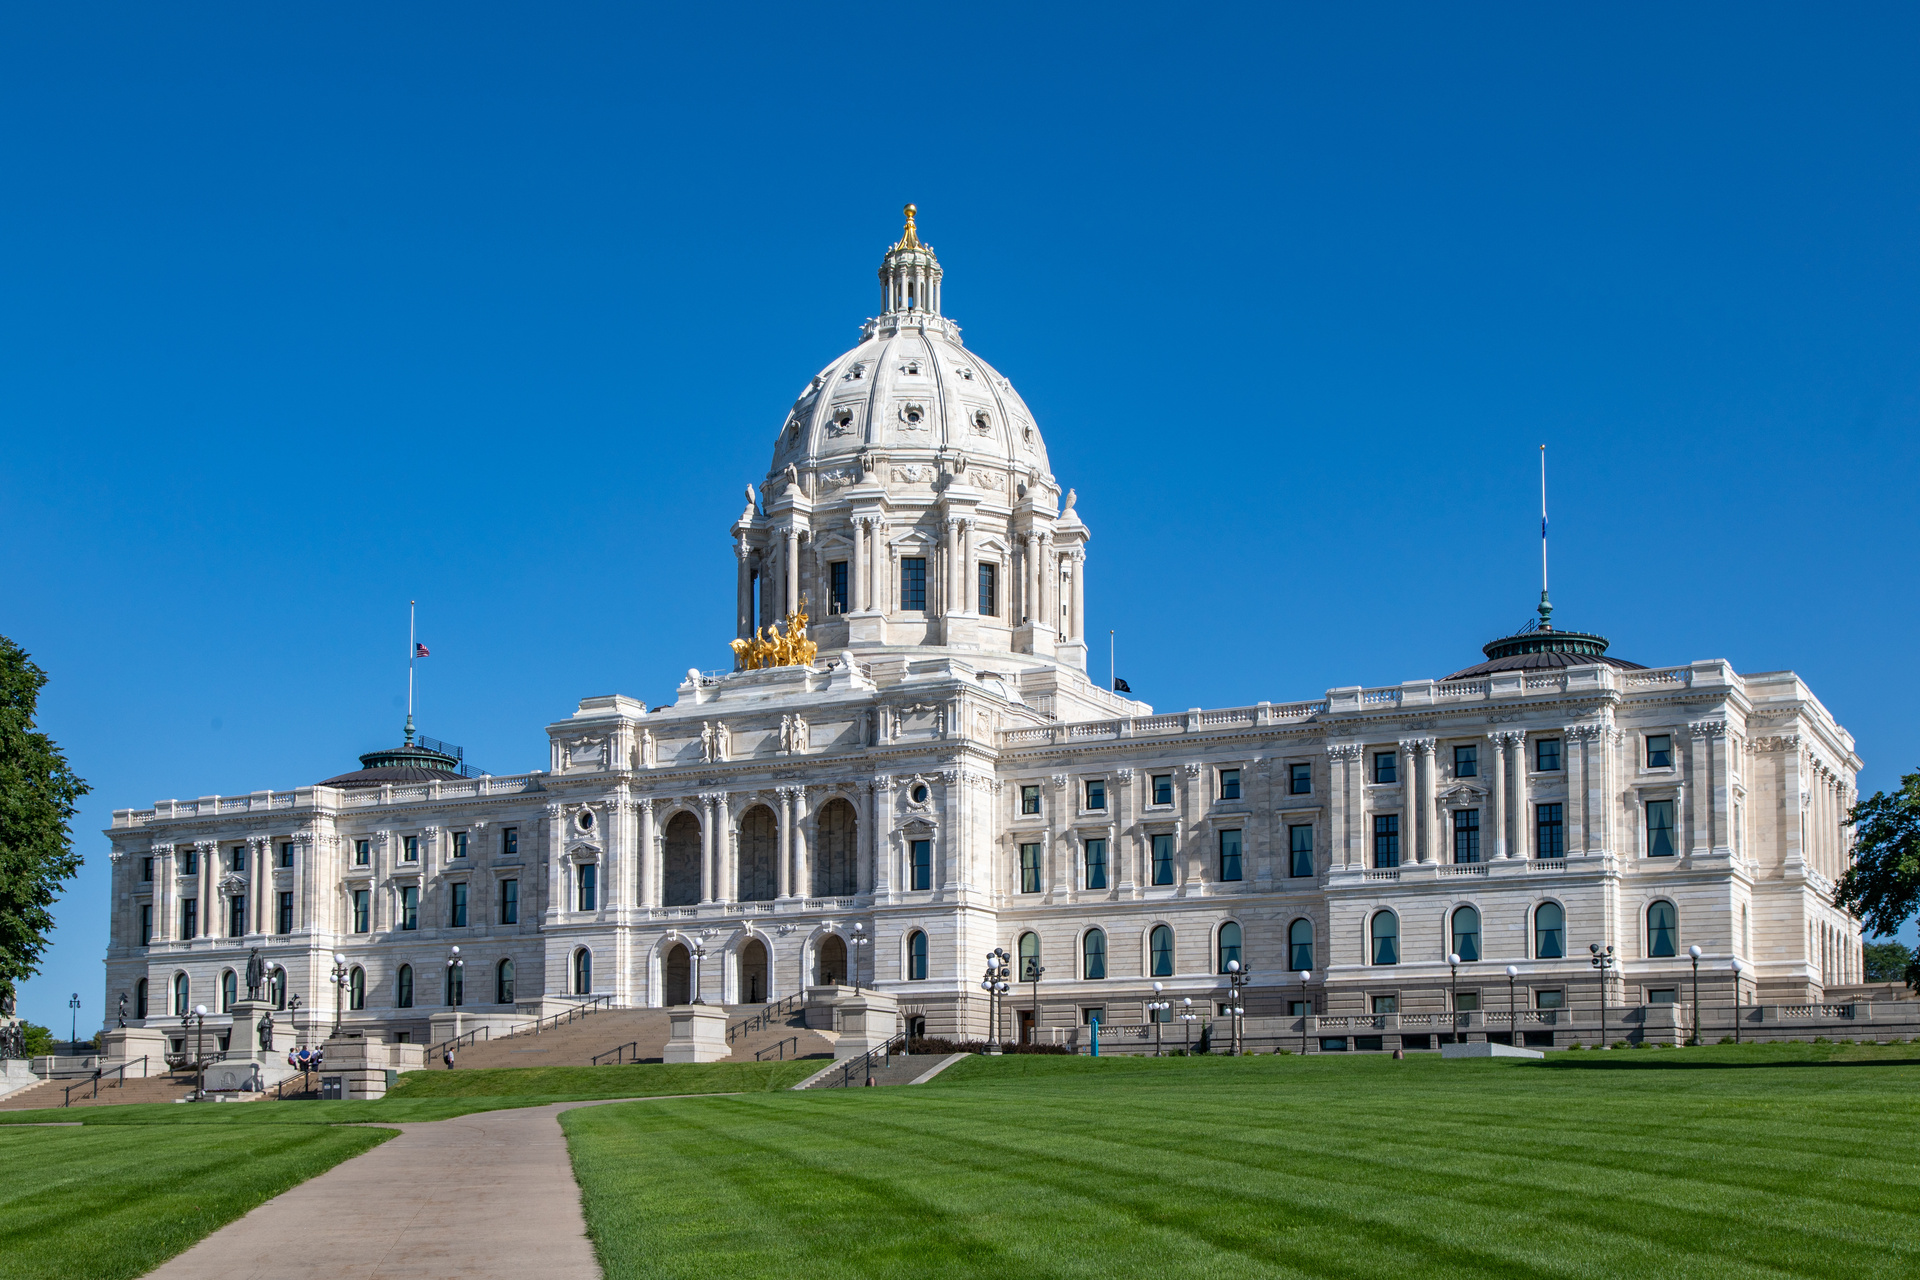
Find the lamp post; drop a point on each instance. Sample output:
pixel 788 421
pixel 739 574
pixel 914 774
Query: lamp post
pixel 1737 967
pixel 1306 1009
pixel 1238 976
pixel 1034 970
pixel 1453 986
pixel 1513 1014
pixel 73 1023
pixel 994 983
pixel 1155 1007
pixel 199 1054
pixel 859 940
pixel 339 980
pixel 1603 961
pixel 456 987
pixel 1694 953
pixel 697 954
pixel 1188 1016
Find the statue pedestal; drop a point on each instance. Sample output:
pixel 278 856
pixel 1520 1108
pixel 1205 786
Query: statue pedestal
pixel 698 1033
pixel 244 1041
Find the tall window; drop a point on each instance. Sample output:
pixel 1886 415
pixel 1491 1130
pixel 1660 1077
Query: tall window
pixel 1029 868
pixel 286 853
pixel 1229 784
pixel 837 587
pixel 1300 851
pixel 1300 779
pixel 1096 794
pixel 403 988
pixel 357 988
pixel 146 924
pixel 237 859
pixel 916 956
pixel 189 917
pixel 457 905
pixel 146 868
pixel 411 845
pixel 1549 932
pixel 1029 957
pixel 285 913
pixel 1163 859
pixel 1466 835
pixel 362 901
pixel 1386 938
pixel 1162 788
pixel 1386 767
pixel 1466 762
pixel 1096 864
pixel 589 885
pixel 410 907
pixel 510 842
pixel 1546 755
pixel 921 852
pixel 1093 955
pixel 1160 951
pixel 503 982
pixel 1662 931
pixel 190 862
pixel 1229 855
pixel 509 902
pixel 1386 839
pixel 1030 799
pixel 236 917
pixel 1659 751
pixel 1550 839
pixel 583 972
pixel 229 990
pixel 362 852
pixel 1660 829
pixel 459 844
pixel 913 584
pixel 140 999
pixel 456 985
pixel 1229 944
pixel 989 590
pixel 277 983
pixel 1466 933
pixel 1300 946
pixel 182 995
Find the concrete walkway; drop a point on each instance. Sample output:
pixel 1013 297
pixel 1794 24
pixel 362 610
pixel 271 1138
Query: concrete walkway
pixel 472 1198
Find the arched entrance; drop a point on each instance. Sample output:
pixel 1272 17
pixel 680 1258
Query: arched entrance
pixel 759 855
pixel 679 975
pixel 680 885
pixel 834 874
pixel 832 964
pixel 755 974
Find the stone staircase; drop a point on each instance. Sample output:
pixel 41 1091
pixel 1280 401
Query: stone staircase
pixel 638 1035
pixel 48 1093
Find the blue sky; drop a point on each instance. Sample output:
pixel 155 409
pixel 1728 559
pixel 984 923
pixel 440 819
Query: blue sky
pixel 305 315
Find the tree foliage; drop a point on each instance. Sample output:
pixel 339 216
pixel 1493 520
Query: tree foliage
pixel 1891 962
pixel 1882 886
pixel 37 803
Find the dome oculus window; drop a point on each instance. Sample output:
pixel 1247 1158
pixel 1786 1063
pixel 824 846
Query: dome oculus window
pixel 965 373
pixel 919 793
pixel 914 415
pixel 982 420
pixel 584 819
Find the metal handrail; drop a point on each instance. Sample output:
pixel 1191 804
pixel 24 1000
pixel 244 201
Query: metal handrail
pixel 761 1054
pixel 587 1005
pixel 863 1065
pixel 99 1073
pixel 763 1019
pixel 619 1054
pixel 460 1041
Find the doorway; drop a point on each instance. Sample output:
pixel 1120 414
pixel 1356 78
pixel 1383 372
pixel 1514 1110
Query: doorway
pixel 679 975
pixel 1026 1026
pixel 833 960
pixel 755 987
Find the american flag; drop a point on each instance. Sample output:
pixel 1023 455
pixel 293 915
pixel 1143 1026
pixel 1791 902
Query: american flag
pixel 419 650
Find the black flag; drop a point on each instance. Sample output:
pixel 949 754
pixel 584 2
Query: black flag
pixel 1121 686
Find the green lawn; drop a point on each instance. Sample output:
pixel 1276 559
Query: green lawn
pixel 1736 1161
pixel 109 1203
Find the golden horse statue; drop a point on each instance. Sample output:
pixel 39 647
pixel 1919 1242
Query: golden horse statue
pixel 769 648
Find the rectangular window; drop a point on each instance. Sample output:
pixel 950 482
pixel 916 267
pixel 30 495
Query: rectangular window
pixel 146 868
pixel 1300 851
pixel 1663 995
pixel 510 842
pixel 284 924
pixel 837 587
pixel 1029 868
pixel 1300 779
pixel 1096 864
pixel 1030 799
pixel 1163 859
pixel 236 917
pixel 1162 788
pixel 459 844
pixel 1660 829
pixel 1659 751
pixel 921 852
pixel 1229 784
pixel 1466 1002
pixel 1386 839
pixel 913 584
pixel 589 884
pixel 237 861
pixel 1550 839
pixel 509 902
pixel 1466 762
pixel 190 863
pixel 1466 835
pixel 1549 999
pixel 1096 795
pixel 1546 755
pixel 146 924
pixel 457 906
pixel 411 845
pixel 362 852
pixel 362 900
pixel 409 907
pixel 1386 1004
pixel 1229 855
pixel 286 854
pixel 189 917
pixel 1386 767
pixel 989 590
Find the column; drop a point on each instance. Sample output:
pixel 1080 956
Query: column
pixel 728 839
pixel 969 577
pixel 862 530
pixel 791 600
pixel 1522 812
pixel 1050 583
pixel 950 605
pixel 784 846
pixel 802 847
pixel 1079 595
pixel 743 589
pixel 1499 742
pixel 879 840
pixel 863 852
pixel 164 928
pixel 1410 801
pixel 1030 578
pixel 1429 815
pixel 706 848
pixel 646 895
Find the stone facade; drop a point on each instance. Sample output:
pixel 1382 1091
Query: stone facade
pixel 944 779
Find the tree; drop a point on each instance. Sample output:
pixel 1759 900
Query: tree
pixel 37 795
pixel 1888 961
pixel 1882 886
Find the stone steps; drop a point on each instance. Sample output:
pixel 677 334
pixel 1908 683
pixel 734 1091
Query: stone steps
pixel 646 1030
pixel 48 1093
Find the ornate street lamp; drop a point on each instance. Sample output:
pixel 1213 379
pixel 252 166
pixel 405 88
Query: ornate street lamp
pixel 1737 969
pixel 456 986
pixel 1513 1013
pixel 1238 976
pixel 994 983
pixel 1188 1016
pixel 1603 961
pixel 1694 954
pixel 1453 967
pixel 73 1023
pixel 697 953
pixel 1155 1007
pixel 199 1053
pixel 1034 970
pixel 339 980
pixel 1306 1009
pixel 857 941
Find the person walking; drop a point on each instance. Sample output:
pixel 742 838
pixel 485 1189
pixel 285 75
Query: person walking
pixel 449 1059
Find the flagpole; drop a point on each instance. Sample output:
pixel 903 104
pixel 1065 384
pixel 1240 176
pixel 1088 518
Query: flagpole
pixel 1546 608
pixel 1111 673
pixel 411 649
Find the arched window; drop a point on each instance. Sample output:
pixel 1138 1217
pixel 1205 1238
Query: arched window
pixel 1029 957
pixel 229 990
pixel 916 956
pixel 1229 944
pixel 403 988
pixel 503 982
pixel 583 972
pixel 1549 932
pixel 456 993
pixel 1160 945
pixel 1466 933
pixel 1663 930
pixel 357 988
pixel 182 995
pixel 140 998
pixel 1300 946
pixel 1386 938
pixel 1093 955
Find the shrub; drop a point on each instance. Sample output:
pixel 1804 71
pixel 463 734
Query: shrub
pixel 935 1045
pixel 1821 1040
pixel 1619 1044
pixel 1726 1039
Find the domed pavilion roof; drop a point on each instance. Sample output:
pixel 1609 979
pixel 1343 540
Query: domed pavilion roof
pixel 1539 647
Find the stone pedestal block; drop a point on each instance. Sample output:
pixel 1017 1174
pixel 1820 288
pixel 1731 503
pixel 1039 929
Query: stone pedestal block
pixel 867 1021
pixel 698 1034
pixel 365 1068
pixel 125 1044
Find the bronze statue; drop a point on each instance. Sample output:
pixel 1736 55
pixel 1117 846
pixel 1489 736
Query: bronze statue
pixel 265 1027
pixel 256 974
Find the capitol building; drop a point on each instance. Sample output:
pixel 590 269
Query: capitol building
pixel 908 767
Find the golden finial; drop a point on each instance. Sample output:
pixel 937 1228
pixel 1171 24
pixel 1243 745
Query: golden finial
pixel 910 240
